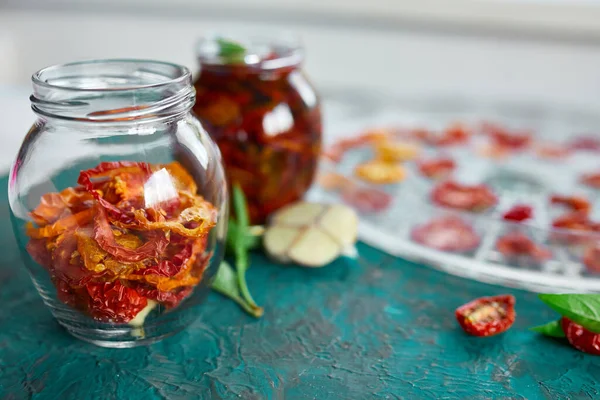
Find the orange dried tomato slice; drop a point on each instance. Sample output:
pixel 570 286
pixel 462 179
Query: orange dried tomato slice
pixel 380 172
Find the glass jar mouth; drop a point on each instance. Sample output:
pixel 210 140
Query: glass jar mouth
pixel 110 75
pixel 261 50
pixel 113 91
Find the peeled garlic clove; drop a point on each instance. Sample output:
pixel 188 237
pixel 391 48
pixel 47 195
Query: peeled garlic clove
pixel 341 223
pixel 278 239
pixel 298 214
pixel 314 248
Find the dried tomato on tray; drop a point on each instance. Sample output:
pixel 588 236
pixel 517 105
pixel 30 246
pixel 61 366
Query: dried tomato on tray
pixel 574 203
pixel 448 233
pixel 464 197
pixel 437 168
pixel 517 245
pixel 111 244
pixel 487 316
pixel 518 213
pixel 592 180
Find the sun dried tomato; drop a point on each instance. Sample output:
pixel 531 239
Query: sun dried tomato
pixel 448 233
pixel 487 316
pixel 581 338
pixel 437 168
pixel 504 138
pixel 591 180
pixel 99 242
pixel 574 203
pixel 591 257
pixel 104 235
pixel 553 151
pixel 577 221
pixel 517 244
pixel 337 151
pixel 392 152
pixel 366 200
pixel 585 144
pixel 333 181
pixel 518 213
pixel 455 134
pixel 464 197
pixel 380 172
pixel 114 302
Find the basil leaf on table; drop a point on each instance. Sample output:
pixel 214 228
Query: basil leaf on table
pixel 226 283
pixel 552 329
pixel 583 309
pixel 240 242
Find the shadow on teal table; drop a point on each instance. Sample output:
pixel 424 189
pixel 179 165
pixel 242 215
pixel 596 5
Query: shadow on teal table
pixel 380 328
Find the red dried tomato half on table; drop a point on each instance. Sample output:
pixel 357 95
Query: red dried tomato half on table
pixel 437 168
pixel 518 213
pixel 463 197
pixel 487 316
pixel 581 338
pixel 573 203
pixel 122 237
pixel 517 244
pixel 448 233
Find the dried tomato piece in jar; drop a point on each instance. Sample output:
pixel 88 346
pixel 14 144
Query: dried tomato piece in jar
pixel 437 168
pixel 517 244
pixel 581 338
pixel 574 203
pixel 591 180
pixel 487 316
pixel 518 213
pixel 114 302
pixel 463 197
pixel 366 200
pixel 448 233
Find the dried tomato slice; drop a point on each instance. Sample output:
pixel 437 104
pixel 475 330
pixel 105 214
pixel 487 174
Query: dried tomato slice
pixel 503 138
pixel 586 144
pixel 591 180
pixel 581 338
pixel 591 257
pixel 455 134
pixel 437 168
pixel 517 244
pixel 553 151
pixel 169 298
pixel 577 221
pixel 464 197
pixel 67 264
pixel 448 233
pixel 366 200
pixel 518 213
pixel 380 172
pixel 104 235
pixel 114 302
pixel 487 316
pixel 337 151
pixel 574 203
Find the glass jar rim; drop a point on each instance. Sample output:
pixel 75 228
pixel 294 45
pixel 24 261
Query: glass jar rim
pixel 178 74
pixel 285 48
pixel 113 91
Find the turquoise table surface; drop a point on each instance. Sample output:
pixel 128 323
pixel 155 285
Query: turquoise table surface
pixel 380 328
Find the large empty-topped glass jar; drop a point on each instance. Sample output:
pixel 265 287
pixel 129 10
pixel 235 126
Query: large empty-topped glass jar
pixel 118 200
pixel 264 114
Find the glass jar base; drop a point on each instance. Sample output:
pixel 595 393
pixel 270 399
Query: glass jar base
pixel 118 343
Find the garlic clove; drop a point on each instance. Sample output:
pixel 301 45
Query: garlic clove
pixel 314 248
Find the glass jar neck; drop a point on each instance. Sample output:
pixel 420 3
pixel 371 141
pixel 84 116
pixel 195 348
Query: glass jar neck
pixel 113 92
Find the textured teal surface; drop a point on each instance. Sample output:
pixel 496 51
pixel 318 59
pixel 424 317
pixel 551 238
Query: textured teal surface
pixel 377 328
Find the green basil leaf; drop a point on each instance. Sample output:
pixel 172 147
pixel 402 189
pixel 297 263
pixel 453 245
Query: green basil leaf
pixel 583 309
pixel 553 329
pixel 226 281
pixel 241 209
pixel 230 49
pixel 253 242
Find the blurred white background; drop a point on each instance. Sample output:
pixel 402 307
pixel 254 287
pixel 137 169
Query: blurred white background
pixel 523 50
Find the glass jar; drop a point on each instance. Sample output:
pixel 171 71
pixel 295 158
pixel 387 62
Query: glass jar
pixel 263 113
pixel 118 200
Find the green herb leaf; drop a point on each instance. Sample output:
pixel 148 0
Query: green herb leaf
pixel 226 283
pixel 583 309
pixel 553 329
pixel 240 208
pixel 231 51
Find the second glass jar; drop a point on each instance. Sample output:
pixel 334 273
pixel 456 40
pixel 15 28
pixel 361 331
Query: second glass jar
pixel 264 114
